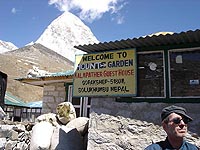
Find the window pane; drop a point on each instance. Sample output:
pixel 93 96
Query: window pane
pixel 185 73
pixel 150 75
pixel 76 101
pixel 89 100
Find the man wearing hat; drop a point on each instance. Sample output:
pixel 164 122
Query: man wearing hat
pixel 175 123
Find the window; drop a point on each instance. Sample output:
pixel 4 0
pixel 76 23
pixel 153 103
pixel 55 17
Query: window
pixel 81 104
pixel 184 72
pixel 150 74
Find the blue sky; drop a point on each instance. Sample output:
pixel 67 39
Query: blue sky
pixel 23 21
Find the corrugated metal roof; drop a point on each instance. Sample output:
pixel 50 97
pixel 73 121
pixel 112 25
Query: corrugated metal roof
pixel 147 41
pixel 58 74
pixel 13 100
pixel 47 79
pixel 37 104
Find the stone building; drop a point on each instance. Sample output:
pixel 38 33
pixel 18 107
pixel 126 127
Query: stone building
pixel 57 88
pixel 124 102
pixel 166 72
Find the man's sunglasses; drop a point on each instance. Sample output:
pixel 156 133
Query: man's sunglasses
pixel 178 120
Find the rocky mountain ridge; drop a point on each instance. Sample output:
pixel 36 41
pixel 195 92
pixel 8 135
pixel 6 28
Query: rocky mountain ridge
pixel 6 46
pixel 17 63
pixel 53 52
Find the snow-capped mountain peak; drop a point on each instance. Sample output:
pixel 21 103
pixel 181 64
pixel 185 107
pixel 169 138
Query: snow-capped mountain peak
pixel 6 46
pixel 64 33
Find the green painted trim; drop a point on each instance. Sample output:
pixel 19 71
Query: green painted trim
pixel 166 64
pixel 167 99
pixel 66 89
pixel 167 47
pixel 159 100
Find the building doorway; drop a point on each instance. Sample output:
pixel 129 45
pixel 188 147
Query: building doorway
pixel 81 104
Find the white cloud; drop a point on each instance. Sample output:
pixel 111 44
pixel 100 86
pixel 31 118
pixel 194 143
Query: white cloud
pixel 13 10
pixel 89 10
pixel 120 19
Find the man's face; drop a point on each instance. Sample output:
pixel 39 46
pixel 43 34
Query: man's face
pixel 175 127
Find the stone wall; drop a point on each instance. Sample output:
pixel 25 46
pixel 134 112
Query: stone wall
pixel 53 95
pixel 14 135
pixel 132 126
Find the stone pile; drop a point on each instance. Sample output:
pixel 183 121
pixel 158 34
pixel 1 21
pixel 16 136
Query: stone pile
pixel 14 135
pixel 127 134
pixel 19 135
pixel 49 132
